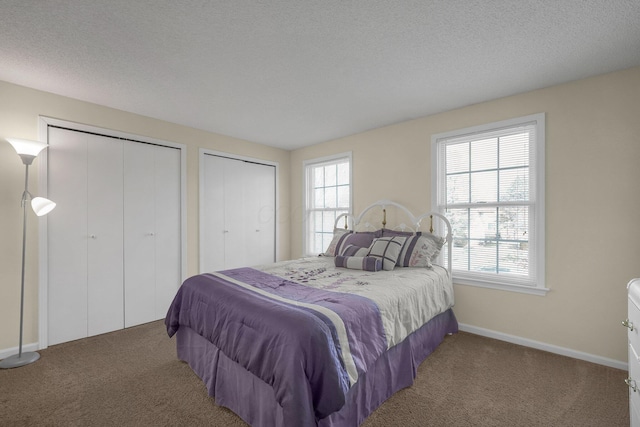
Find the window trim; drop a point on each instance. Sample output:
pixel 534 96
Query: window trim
pixel 306 193
pixel 488 280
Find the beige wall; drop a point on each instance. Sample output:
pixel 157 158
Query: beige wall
pixel 592 205
pixel 19 111
pixel 592 200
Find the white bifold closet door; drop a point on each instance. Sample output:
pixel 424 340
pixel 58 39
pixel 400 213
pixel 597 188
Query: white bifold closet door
pixel 238 213
pixel 114 242
pixel 85 235
pixel 151 230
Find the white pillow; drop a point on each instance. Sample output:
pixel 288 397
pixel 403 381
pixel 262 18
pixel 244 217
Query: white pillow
pixel 387 249
pixel 338 233
pixel 420 250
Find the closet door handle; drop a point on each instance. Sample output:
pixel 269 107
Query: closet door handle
pixel 151 234
pixel 225 231
pixel 93 236
pixel 627 324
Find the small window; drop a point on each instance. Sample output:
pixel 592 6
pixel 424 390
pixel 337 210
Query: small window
pixel 327 195
pixel 489 182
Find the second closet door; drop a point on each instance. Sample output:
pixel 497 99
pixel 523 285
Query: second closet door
pixel 260 213
pixel 238 214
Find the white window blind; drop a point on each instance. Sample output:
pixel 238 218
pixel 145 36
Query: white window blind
pixel 327 195
pixel 490 184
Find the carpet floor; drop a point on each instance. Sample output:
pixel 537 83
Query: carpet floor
pixel 133 378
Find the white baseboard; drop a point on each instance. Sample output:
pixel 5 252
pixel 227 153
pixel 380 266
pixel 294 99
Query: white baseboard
pixel 4 353
pixel 618 364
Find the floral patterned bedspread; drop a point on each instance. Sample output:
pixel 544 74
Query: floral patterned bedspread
pixel 406 297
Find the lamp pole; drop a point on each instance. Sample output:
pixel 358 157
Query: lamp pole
pixel 27 150
pixel 21 358
pixel 24 255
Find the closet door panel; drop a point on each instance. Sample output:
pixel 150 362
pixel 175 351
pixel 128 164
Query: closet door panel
pixel 139 233
pixel 68 237
pixel 167 226
pixel 105 225
pixel 267 216
pixel 235 214
pixel 260 197
pixel 212 228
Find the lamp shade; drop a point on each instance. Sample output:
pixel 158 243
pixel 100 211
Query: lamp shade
pixel 28 147
pixel 42 206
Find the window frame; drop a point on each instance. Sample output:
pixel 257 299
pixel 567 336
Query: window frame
pixel 307 192
pixel 496 280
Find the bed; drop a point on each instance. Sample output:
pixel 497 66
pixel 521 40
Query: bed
pixel 321 341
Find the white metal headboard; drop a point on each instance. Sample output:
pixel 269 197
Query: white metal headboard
pixel 351 222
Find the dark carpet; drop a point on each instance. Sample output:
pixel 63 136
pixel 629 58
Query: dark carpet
pixel 133 378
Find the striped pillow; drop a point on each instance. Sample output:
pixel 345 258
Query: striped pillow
pixel 420 250
pixel 338 236
pixel 343 238
pixel 367 263
pixel 353 250
pixel 387 249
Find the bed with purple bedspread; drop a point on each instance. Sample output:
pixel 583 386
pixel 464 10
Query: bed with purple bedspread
pixel 303 343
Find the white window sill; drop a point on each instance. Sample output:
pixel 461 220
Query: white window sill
pixel 531 290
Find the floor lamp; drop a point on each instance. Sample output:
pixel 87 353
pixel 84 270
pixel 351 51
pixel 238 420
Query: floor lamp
pixel 27 150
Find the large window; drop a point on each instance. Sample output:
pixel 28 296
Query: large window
pixel 489 182
pixel 327 195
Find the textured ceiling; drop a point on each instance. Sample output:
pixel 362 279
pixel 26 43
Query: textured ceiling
pixel 290 73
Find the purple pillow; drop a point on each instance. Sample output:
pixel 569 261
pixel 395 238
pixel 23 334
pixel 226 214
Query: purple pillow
pixel 394 233
pixel 352 250
pixel 367 263
pixel 342 239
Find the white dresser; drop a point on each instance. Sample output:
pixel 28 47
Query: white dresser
pixel 633 325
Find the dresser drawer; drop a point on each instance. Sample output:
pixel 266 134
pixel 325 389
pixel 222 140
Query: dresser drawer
pixel 634 414
pixel 633 328
pixel 633 313
pixel 634 378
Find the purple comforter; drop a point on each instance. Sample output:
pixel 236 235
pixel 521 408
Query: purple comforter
pixel 280 332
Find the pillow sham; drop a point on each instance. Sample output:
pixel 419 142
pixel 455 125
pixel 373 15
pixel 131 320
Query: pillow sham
pixel 392 233
pixel 366 263
pixel 343 238
pixel 420 250
pixel 338 234
pixel 387 249
pixel 353 250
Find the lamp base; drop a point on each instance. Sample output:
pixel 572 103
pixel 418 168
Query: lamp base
pixel 16 360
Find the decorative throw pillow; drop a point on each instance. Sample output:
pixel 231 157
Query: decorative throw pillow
pixel 343 238
pixel 420 250
pixel 353 250
pixel 338 234
pixel 387 249
pixel 367 263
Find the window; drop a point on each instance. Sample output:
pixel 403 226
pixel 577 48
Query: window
pixel 327 196
pixel 489 182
